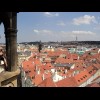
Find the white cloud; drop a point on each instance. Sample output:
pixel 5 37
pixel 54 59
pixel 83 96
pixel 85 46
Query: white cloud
pixel 44 31
pixel 61 23
pixel 50 14
pixel 50 35
pixel 86 19
pixel 83 33
pixel 36 31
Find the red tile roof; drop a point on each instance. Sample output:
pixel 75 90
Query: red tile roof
pixel 28 65
pixel 47 83
pixel 91 70
pixel 97 66
pixel 74 56
pixel 38 79
pixel 67 82
pixel 63 60
pixel 47 75
pixel 47 66
pixel 37 62
pixel 82 77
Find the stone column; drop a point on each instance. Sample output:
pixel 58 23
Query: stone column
pixel 11 42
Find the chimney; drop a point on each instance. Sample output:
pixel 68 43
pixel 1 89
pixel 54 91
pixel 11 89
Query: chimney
pixel 65 70
pixel 43 77
pixel 38 72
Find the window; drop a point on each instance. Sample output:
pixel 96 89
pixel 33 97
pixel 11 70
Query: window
pixel 81 78
pixel 33 77
pixel 85 75
pixel 90 72
pixel 78 80
pixel 26 71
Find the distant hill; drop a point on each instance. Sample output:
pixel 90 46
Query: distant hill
pixel 65 42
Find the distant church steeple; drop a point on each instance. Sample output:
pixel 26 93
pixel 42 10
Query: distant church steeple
pixel 76 38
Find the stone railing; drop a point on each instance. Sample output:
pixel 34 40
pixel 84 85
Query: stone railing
pixel 9 79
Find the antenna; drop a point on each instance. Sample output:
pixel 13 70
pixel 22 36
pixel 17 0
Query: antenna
pixel 76 37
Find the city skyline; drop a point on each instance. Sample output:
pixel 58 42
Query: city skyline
pixel 56 26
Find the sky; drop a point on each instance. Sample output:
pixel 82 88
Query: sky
pixel 56 26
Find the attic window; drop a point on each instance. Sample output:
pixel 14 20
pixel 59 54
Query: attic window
pixel 90 72
pixel 78 80
pixel 26 71
pixel 33 77
pixel 85 75
pixel 93 69
pixel 81 78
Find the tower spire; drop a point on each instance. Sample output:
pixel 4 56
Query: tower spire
pixel 76 37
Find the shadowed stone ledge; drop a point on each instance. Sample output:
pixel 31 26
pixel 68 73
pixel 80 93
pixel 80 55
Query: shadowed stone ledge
pixel 9 79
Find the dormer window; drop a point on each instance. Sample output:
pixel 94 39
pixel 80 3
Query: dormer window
pixel 26 72
pixel 85 75
pixel 33 77
pixel 90 72
pixel 81 78
pixel 78 80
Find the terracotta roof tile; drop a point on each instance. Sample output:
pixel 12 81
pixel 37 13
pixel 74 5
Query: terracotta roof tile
pixel 97 66
pixel 38 79
pixel 63 60
pixel 91 70
pixel 28 65
pixel 82 77
pixel 67 82
pixel 47 83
